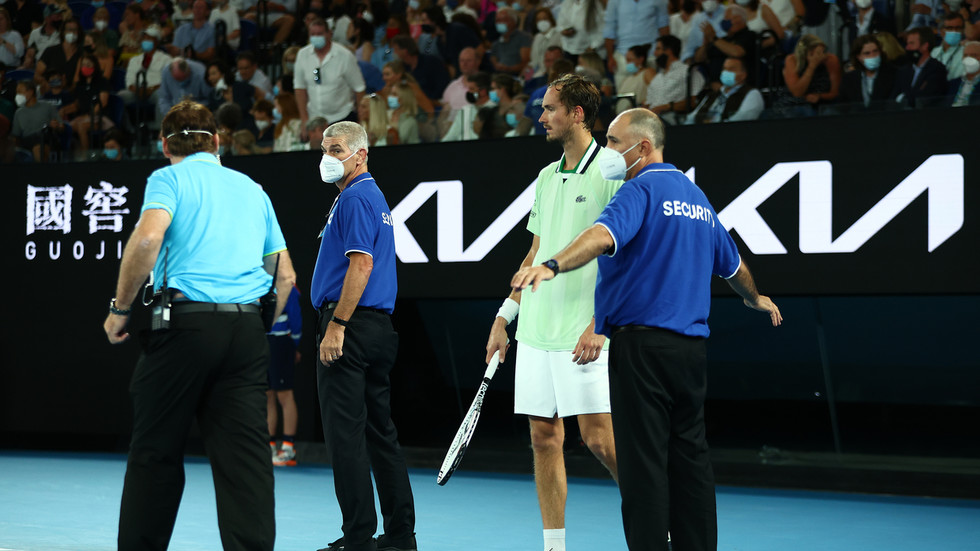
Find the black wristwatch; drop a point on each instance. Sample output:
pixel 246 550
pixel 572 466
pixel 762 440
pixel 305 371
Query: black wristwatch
pixel 339 321
pixel 551 265
pixel 117 311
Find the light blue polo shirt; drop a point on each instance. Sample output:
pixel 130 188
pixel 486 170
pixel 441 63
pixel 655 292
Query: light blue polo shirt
pixel 360 222
pixel 222 226
pixel 668 243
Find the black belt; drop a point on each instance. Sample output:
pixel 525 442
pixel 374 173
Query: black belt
pixel 333 305
pixel 191 307
pixel 622 328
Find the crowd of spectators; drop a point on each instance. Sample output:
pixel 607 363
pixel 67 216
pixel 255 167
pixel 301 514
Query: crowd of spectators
pixel 92 79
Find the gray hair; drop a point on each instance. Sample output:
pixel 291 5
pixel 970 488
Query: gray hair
pixel 316 122
pixel 740 11
pixel 509 12
pixel 646 124
pixel 353 134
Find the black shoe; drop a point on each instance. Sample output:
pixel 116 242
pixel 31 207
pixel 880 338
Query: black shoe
pixel 406 544
pixel 341 545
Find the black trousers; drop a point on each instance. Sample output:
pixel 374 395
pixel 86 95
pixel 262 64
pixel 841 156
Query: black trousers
pixel 657 384
pixel 355 405
pixel 211 366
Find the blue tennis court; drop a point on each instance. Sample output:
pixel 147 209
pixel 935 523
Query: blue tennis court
pixel 70 501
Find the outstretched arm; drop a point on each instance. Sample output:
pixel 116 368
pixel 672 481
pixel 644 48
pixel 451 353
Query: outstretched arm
pixel 744 285
pixel 588 245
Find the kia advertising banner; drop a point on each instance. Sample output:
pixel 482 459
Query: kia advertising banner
pixel 880 204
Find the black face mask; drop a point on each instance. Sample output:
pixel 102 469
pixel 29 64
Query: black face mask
pixel 662 61
pixel 472 97
pixel 689 6
pixel 89 49
pixel 428 29
pixel 915 55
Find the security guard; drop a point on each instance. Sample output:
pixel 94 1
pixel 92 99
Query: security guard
pixel 663 242
pixel 353 289
pixel 211 238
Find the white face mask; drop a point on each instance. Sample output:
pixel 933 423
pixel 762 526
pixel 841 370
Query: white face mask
pixel 612 164
pixel 20 100
pixel 332 168
pixel 261 125
pixel 709 6
pixel 101 24
pixel 544 25
pixel 862 4
pixel 970 65
pixel 71 38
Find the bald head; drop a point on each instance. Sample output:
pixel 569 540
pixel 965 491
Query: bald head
pixel 468 64
pixel 643 124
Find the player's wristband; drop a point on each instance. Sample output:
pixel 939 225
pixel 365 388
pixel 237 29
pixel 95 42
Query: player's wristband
pixel 338 321
pixel 508 310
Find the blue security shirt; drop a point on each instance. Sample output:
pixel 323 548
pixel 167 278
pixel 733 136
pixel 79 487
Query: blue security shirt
pixel 222 226
pixel 358 222
pixel 668 243
pixel 290 322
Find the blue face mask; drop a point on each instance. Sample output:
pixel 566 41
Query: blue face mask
pixel 517 6
pixel 494 97
pixel 393 102
pixel 726 25
pixel 728 78
pixel 511 119
pixel 872 63
pixel 276 115
pixel 275 90
pixel 413 4
pixel 160 146
pixel 631 68
pixel 953 38
pixel 501 28
pixel 147 46
pixel 318 42
pixel 98 4
pixel 110 154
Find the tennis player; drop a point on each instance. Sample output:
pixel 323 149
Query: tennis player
pixel 561 361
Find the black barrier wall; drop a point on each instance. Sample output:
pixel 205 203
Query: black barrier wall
pixel 828 213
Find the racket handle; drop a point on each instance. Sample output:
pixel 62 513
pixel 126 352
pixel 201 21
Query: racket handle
pixel 492 366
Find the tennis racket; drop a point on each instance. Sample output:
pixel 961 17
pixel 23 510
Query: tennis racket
pixel 468 426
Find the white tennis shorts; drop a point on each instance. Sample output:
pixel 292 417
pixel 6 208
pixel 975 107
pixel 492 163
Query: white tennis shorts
pixel 549 382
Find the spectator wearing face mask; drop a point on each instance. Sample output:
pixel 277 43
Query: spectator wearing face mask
pixel 403 114
pixel 965 90
pixel 59 95
pixel 870 84
pixel 11 42
pixel 739 41
pixel 511 52
pixel 668 93
pixel 288 125
pixel 383 51
pixel 517 123
pixel 151 63
pixel 923 82
pixel 265 125
pixel 62 58
pixel 712 13
pixel 112 148
pixel 950 51
pixel 44 36
pixel 639 76
pixel 870 21
pixel 94 44
pixel 395 73
pixel 31 120
pixel 92 96
pixel 478 96
pixel 101 24
pixel 736 100
pixel 547 36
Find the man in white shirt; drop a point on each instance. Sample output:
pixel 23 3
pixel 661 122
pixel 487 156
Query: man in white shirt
pixel 327 80
pixel 224 11
pixel 477 97
pixel 454 97
pixel 950 52
pixel 668 90
pixel 248 71
pixel 152 62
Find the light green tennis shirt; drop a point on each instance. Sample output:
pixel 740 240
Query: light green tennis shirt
pixel 565 204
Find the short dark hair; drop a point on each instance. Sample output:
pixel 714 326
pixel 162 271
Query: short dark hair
pixel 740 61
pixel 248 56
pixel 481 79
pixel 508 83
pixel 954 15
pixel 265 106
pixel 406 43
pixel 560 67
pixel 577 91
pixel 641 50
pixel 859 44
pixel 671 43
pixel 926 35
pixel 189 115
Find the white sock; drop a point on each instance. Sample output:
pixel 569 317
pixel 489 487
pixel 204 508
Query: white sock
pixel 554 540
